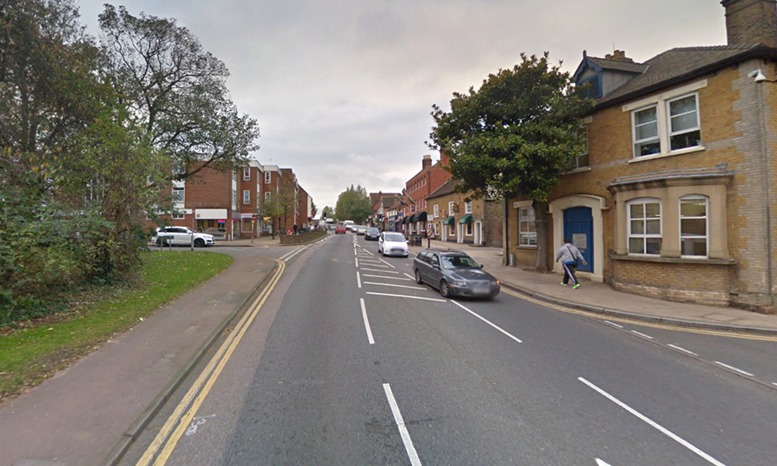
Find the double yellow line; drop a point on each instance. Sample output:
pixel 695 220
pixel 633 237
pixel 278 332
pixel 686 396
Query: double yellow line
pixel 158 453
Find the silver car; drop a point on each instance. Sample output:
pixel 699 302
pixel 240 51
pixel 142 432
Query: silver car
pixel 454 273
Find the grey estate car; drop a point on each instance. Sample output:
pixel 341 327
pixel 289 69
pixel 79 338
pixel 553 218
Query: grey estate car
pixel 454 273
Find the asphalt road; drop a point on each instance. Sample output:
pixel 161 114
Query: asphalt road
pixel 348 361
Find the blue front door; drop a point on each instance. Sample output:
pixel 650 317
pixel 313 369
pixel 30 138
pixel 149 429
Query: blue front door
pixel 579 228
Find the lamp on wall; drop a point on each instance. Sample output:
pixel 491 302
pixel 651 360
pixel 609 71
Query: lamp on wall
pixel 758 76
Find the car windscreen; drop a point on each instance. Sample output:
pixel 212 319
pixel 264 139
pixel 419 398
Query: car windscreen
pixel 394 237
pixel 458 262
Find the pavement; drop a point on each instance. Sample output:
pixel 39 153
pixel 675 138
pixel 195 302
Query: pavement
pixel 90 413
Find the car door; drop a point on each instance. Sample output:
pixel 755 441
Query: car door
pixel 180 236
pixel 433 274
pixel 380 243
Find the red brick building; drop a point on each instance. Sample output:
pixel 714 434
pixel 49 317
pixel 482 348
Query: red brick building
pixel 417 189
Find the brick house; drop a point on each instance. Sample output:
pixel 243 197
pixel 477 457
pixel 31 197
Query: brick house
pixel 417 189
pixel 384 210
pixel 675 197
pixel 457 218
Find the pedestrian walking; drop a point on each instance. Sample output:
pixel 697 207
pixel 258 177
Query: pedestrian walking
pixel 569 255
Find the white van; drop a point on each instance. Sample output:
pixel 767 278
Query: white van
pixel 349 225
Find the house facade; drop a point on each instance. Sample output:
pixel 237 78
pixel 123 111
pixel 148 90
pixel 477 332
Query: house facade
pixel 457 218
pixel 675 195
pixel 417 190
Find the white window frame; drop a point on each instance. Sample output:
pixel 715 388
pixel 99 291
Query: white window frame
pixel 179 214
pixel 246 173
pixel 645 237
pixel 661 101
pixel 527 228
pixel 688 236
pixel 671 133
pixel 468 207
pixel 468 228
pixel 267 196
pixel 436 211
pixel 181 199
pixel 451 207
pixel 655 139
pixel 246 196
pixel 267 177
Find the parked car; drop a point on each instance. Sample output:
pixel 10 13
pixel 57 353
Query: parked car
pixel 340 228
pixel 372 234
pixel 360 229
pixel 182 236
pixel 392 244
pixel 454 273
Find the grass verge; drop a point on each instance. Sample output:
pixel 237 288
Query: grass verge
pixel 32 354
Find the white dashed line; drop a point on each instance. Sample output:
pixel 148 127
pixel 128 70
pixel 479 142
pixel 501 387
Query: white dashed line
pixel 613 324
pixel 488 322
pixel 358 279
pixel 395 286
pixel 734 369
pixel 411 453
pixel 387 278
pixel 682 349
pixel 366 322
pixel 406 296
pixel 641 334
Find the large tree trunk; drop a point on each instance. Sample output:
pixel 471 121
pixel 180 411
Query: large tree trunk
pixel 541 223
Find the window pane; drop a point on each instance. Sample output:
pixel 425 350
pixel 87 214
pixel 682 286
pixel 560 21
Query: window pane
pixel 637 210
pixel 645 116
pixel 636 246
pixel 684 122
pixel 694 247
pixel 637 227
pixel 652 210
pixel 653 227
pixel 684 105
pixel 649 131
pixel 653 245
pixel 681 141
pixel 647 148
pixel 693 227
pixel 693 208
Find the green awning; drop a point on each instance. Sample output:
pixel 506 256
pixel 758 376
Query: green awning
pixel 466 219
pixel 449 221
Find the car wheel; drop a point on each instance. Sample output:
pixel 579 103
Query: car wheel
pixel 418 277
pixel 445 290
pixel 199 242
pixel 159 242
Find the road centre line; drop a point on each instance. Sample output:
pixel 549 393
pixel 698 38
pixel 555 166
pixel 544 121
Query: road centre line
pixel 652 423
pixel 366 322
pixel 678 348
pixel 734 369
pixel 488 322
pixel 387 278
pixel 409 448
pixel 408 297
pixel 356 261
pixel 395 286
pixel 358 279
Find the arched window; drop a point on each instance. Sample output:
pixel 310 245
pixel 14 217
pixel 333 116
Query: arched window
pixel 644 230
pixel 694 226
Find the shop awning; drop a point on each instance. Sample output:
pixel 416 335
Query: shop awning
pixel 420 216
pixel 466 219
pixel 449 221
pixel 406 220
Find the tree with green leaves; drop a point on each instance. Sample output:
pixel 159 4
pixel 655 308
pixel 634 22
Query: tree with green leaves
pixel 514 136
pixel 176 91
pixel 353 204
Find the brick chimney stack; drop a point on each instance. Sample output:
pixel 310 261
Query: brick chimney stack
pixel 750 22
pixel 619 55
pixel 426 162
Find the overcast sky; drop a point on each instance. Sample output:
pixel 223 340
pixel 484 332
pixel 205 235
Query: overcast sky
pixel 343 89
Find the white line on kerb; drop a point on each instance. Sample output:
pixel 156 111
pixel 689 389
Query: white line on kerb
pixel 734 369
pixel 414 460
pixel 652 423
pixel 366 322
pixel 358 279
pixel 682 349
pixel 489 323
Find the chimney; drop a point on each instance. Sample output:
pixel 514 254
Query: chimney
pixel 750 22
pixel 426 162
pixel 619 55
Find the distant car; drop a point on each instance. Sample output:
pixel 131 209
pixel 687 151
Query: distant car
pixel 392 244
pixel 182 236
pixel 360 229
pixel 372 234
pixel 340 228
pixel 454 273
